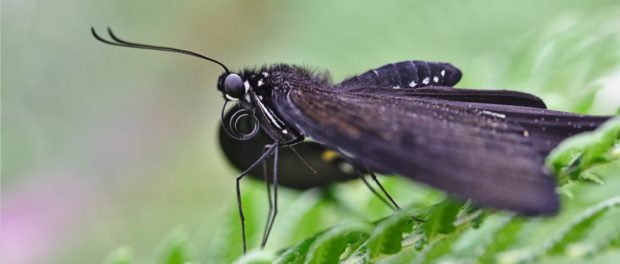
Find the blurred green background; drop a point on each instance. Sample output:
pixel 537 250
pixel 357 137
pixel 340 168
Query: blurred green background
pixel 104 147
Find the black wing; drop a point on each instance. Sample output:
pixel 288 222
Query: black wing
pixel 546 128
pixel 503 97
pixel 292 172
pixel 444 144
pixel 405 75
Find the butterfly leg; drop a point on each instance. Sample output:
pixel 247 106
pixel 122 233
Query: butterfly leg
pixel 268 184
pixel 273 206
pixel 302 159
pixel 270 150
pixel 372 189
pixel 392 204
pixel 373 176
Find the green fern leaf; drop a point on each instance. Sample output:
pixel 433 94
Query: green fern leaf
pixel 441 218
pixel 329 246
pixel 388 235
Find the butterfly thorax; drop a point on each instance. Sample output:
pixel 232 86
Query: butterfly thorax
pixel 259 85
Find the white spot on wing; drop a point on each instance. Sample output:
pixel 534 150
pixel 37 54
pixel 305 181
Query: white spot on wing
pixel 436 79
pixel 260 82
pixel 412 84
pixel 426 80
pixel 266 74
pixel 493 114
pixel 396 87
pixel 443 73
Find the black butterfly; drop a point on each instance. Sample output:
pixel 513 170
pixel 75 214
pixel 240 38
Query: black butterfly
pixel 483 145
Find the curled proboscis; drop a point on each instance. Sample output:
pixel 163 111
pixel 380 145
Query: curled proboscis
pixel 242 124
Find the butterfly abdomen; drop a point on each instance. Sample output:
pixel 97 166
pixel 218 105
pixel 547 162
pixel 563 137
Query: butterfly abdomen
pixel 408 75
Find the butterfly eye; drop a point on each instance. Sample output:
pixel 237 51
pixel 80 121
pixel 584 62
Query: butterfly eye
pixel 233 86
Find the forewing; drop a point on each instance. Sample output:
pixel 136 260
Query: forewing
pixel 546 128
pixel 465 152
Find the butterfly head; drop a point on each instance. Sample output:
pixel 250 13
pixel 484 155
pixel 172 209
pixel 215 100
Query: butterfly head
pixel 231 85
pixel 241 86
